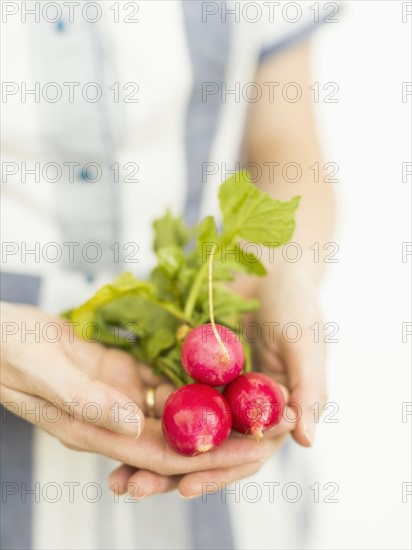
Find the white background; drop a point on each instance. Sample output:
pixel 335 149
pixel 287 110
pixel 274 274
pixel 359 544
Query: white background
pixel 368 133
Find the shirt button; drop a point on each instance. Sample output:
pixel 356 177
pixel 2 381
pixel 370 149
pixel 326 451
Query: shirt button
pixel 90 277
pixel 84 176
pixel 60 26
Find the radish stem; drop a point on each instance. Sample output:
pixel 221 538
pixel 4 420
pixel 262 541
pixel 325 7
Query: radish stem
pixel 211 313
pixel 194 291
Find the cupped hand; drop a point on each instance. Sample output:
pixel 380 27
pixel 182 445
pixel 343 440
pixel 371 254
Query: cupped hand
pixel 291 350
pixel 45 366
pixel 90 397
pixel 141 483
pixel 288 350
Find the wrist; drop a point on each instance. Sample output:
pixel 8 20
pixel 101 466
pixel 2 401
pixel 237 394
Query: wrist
pixel 283 273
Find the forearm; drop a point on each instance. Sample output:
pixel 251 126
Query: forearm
pixel 315 215
pixel 282 133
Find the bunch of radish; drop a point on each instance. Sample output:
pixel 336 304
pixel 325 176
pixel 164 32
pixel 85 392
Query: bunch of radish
pixel 197 417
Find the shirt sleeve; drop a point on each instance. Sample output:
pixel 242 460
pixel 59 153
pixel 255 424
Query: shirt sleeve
pixel 286 23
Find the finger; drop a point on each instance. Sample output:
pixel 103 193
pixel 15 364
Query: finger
pixel 123 373
pixel 113 367
pixel 307 382
pixel 44 414
pixel 304 358
pixel 140 483
pixel 119 477
pixel 308 401
pixel 149 452
pixel 168 462
pixel 70 430
pixel 93 401
pixel 120 371
pixel 270 363
pixel 306 362
pixel 305 374
pixel 57 380
pixel 162 392
pixel 148 377
pixel 144 483
pixel 200 483
pixel 286 425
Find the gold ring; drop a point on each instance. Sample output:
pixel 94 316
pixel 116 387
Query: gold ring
pixel 150 401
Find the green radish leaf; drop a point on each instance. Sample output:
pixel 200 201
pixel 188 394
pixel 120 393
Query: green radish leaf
pixel 170 260
pixel 207 239
pixel 170 365
pixel 224 271
pixel 228 306
pixel 159 341
pixel 207 230
pixel 124 285
pixel 165 287
pixel 143 317
pixel 237 258
pixel 248 356
pixel 186 276
pixel 134 311
pixel 170 231
pixel 127 280
pixel 251 263
pixel 255 216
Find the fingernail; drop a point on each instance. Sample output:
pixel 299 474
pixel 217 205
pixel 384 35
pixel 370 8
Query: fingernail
pixel 187 498
pixel 125 422
pixel 309 432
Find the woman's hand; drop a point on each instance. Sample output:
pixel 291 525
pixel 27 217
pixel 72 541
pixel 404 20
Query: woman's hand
pixel 44 367
pixel 90 398
pixel 288 350
pixel 144 482
pixel 299 368
pixel 299 365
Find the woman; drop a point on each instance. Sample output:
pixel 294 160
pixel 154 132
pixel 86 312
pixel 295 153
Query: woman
pixel 119 111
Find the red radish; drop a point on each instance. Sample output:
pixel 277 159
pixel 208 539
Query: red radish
pixel 204 359
pixel 211 353
pixel 196 419
pixel 256 403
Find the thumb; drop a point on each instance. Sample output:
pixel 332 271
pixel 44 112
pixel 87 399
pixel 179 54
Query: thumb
pixel 301 367
pixel 305 368
pixel 308 402
pixel 90 401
